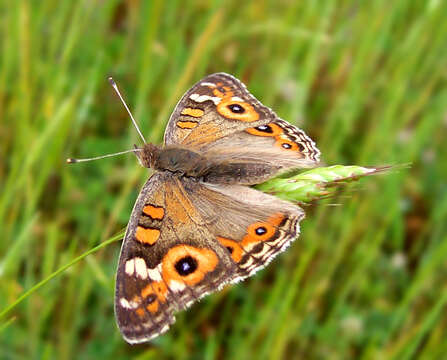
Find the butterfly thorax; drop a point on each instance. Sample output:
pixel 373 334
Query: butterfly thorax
pixel 175 159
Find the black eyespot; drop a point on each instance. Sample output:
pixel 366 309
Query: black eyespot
pixel 286 146
pixel 261 230
pixel 186 265
pixel 237 109
pixel 230 249
pixel 151 298
pixel 264 128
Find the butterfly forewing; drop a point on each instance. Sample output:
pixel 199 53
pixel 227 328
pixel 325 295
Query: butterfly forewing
pixel 168 260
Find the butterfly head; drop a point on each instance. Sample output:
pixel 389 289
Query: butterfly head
pixel 148 155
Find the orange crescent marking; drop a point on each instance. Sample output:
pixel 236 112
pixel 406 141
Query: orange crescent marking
pixel 193 112
pixel 206 262
pixel 147 236
pixel 276 130
pixel 236 252
pixel 187 124
pixel 155 212
pixel 270 226
pixel 276 219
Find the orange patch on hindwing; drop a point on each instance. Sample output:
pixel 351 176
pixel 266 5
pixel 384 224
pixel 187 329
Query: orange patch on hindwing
pixel 268 130
pixel 233 247
pixel 286 144
pixel 193 112
pixel 275 131
pixel 262 230
pixel 188 264
pixel 155 212
pixel 147 235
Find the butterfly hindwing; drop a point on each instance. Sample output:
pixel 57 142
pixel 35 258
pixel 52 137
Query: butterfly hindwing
pixel 254 227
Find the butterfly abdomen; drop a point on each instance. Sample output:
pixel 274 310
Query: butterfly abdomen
pixel 238 173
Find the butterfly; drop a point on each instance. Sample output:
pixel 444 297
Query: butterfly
pixel 197 225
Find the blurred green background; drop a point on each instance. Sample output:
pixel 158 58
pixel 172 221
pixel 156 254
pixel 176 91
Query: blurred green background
pixel 365 79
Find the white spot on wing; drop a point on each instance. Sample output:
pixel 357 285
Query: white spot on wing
pixel 125 304
pixel 176 286
pixel 141 268
pixel 130 267
pixel 208 84
pixel 154 274
pixel 237 98
pixel 128 305
pixel 202 98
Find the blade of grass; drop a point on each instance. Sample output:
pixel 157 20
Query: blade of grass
pixel 59 271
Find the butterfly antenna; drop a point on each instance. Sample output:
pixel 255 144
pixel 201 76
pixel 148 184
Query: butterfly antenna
pixel 115 87
pixel 73 161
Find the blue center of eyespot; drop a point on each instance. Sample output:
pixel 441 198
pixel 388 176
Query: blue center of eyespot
pixel 151 298
pixel 236 108
pixel 264 128
pixel 186 265
pixel 261 230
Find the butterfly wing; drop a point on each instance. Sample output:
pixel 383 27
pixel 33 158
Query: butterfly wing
pixel 219 118
pixel 168 260
pixel 253 227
